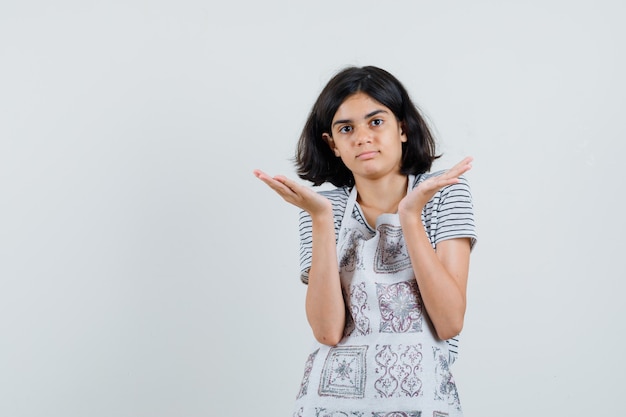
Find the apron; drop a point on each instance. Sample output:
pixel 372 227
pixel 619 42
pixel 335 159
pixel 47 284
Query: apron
pixel 389 362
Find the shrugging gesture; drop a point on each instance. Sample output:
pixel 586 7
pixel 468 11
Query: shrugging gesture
pixel 385 253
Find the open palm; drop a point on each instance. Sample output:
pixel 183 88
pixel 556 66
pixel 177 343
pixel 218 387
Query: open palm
pixel 296 194
pixel 414 201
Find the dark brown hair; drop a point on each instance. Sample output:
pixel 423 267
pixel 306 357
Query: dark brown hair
pixel 315 160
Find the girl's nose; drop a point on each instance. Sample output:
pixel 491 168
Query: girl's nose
pixel 362 135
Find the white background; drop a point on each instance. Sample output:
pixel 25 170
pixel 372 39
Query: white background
pixel 144 271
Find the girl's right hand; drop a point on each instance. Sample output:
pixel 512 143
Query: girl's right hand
pixel 296 194
pixel 414 201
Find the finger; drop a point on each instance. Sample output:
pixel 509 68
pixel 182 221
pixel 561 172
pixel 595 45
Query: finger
pixel 292 185
pixel 464 164
pixel 459 169
pixel 277 186
pixel 260 174
pixel 269 180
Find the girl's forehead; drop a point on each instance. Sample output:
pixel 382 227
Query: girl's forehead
pixel 358 96
pixel 357 103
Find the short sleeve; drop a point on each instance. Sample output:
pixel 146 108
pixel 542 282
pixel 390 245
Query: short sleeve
pixel 338 198
pixel 306 244
pixel 450 214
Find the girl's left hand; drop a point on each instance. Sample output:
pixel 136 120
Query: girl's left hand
pixel 415 201
pixel 296 194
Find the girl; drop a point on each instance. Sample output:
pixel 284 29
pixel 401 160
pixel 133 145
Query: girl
pixel 385 254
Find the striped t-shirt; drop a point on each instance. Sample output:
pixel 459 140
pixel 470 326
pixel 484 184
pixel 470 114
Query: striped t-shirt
pixel 448 215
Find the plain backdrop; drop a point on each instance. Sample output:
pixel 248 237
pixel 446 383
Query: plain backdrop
pixel 144 271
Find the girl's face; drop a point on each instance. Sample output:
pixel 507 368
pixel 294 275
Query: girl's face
pixel 367 137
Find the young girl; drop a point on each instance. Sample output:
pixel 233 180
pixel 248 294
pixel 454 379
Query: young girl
pixel 385 254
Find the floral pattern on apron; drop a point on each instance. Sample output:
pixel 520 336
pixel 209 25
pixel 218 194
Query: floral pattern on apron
pixel 389 362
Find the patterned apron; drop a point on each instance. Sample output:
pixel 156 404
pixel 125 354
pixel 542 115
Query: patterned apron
pixel 389 362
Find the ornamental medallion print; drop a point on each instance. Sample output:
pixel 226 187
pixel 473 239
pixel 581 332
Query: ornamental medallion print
pixel 391 255
pixel 357 322
pixel 350 260
pixel 400 307
pixel 304 386
pixel 400 371
pixel 398 414
pixel 323 412
pixel 344 372
pixel 445 388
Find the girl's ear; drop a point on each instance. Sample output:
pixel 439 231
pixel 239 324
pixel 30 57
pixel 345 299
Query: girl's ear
pixel 403 137
pixel 329 140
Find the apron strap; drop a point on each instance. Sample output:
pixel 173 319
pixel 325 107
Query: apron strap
pixel 349 209
pixel 352 201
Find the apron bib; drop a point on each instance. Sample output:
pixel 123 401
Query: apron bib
pixel 389 362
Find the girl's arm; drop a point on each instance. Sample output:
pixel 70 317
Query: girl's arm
pixel 441 275
pixel 325 308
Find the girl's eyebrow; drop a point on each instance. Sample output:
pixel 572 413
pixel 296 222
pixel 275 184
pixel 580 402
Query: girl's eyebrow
pixel 367 116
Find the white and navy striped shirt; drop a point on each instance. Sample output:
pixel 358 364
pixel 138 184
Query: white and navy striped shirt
pixel 448 215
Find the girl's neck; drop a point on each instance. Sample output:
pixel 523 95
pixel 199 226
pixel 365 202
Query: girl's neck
pixel 382 195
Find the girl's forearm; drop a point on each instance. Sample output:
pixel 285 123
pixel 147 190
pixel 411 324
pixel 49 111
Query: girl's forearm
pixel 325 306
pixel 441 277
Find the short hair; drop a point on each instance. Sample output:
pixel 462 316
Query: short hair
pixel 316 162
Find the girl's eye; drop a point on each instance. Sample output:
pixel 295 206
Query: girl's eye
pixel 377 122
pixel 345 129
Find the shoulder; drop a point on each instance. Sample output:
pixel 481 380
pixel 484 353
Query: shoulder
pixel 336 195
pixel 338 198
pixel 449 214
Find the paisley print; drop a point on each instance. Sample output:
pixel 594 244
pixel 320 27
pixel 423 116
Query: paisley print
pixel 357 320
pixel 389 362
pixel 400 371
pixel 445 389
pixel 304 385
pixel 351 258
pixel 323 412
pixel 400 307
pixel 391 255
pixel 344 372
